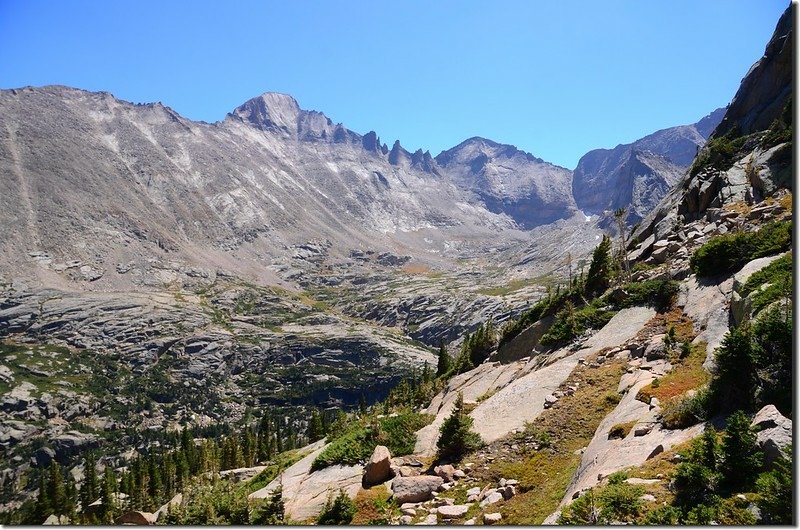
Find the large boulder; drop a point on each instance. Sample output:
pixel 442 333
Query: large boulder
pixel 775 433
pixel 379 467
pixel 415 489
pixel 137 518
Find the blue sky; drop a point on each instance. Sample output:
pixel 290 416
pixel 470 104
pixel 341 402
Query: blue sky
pixel 555 78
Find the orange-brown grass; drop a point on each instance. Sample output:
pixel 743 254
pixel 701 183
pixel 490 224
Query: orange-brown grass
pixel 688 374
pixel 739 207
pixel 416 268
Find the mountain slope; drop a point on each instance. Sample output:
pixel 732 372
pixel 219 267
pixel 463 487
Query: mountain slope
pixel 607 179
pixel 528 189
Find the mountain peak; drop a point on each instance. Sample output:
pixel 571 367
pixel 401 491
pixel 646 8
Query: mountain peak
pixel 270 110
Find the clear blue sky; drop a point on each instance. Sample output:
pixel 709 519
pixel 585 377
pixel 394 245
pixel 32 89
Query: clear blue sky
pixel 553 77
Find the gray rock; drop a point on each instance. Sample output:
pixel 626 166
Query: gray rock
pixel 415 489
pixel 453 512
pixel 775 433
pixel 492 518
pixel 446 472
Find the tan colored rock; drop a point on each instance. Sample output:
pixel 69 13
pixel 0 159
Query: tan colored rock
pixel 137 518
pixel 447 472
pixel 492 518
pixel 379 467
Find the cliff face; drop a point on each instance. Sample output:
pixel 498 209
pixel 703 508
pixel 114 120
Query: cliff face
pixel 766 87
pixel 749 155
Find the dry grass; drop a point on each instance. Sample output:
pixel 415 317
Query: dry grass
pixel 688 374
pixel 416 268
pixel 371 505
pixel 739 207
pixel 570 424
pixel 621 430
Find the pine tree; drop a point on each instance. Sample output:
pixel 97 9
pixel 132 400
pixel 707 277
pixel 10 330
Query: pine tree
pixel 90 487
pixel 444 362
pixel 315 429
pixel 599 275
pixel 43 504
pixel 107 495
pixel 55 489
pixel 741 457
pixel 456 437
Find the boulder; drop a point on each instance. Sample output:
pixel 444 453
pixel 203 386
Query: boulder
pixel 492 498
pixel 656 348
pixel 775 433
pixel 415 489
pixel 137 518
pixel 656 451
pixel 492 518
pixel 43 456
pixel 447 472
pixel 379 467
pixel 406 520
pixel 453 512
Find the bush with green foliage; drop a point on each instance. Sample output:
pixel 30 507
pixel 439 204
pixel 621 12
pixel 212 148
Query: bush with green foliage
pixel 456 437
pixel 337 511
pixel 730 252
pixel 780 131
pixel 770 284
pixel 583 511
pixel 358 440
pixel 754 364
pixel 775 499
pixel 719 153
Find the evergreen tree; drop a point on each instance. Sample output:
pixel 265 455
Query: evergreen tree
pixel 456 437
pixel 741 457
pixel 271 512
pixel 599 276
pixel 444 362
pixel 315 429
pixel 56 493
pixel 735 382
pixel 338 511
pixel 44 506
pixel 90 488
pixel 107 496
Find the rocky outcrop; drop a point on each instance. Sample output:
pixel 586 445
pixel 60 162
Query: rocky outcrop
pixel 774 433
pixel 766 87
pixel 638 175
pixel 524 381
pixel 741 304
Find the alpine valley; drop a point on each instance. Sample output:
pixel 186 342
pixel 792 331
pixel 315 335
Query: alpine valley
pixel 273 319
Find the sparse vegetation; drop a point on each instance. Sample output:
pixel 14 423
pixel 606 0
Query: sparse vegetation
pixel 730 252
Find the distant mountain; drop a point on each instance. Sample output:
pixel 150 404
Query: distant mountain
pixel 638 175
pixel 528 189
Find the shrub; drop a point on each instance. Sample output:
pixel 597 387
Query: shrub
pixel 456 438
pixel 778 275
pixel 660 294
pixel 730 252
pixel 693 483
pixel 599 275
pixel 702 514
pixel 582 511
pixel 734 384
pixel 620 430
pixel 718 153
pixel 775 493
pixel 684 411
pixel 734 512
pixel 620 501
pixel 741 458
pixel 663 516
pixel 772 335
pixel 338 511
